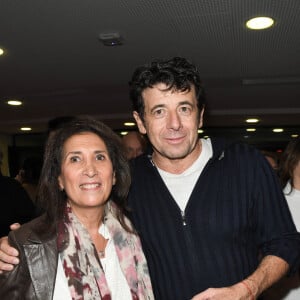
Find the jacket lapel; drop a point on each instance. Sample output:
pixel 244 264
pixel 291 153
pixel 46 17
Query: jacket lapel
pixel 41 257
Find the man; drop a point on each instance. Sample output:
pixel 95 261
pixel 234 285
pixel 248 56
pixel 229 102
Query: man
pixel 15 202
pixel 134 143
pixel 206 210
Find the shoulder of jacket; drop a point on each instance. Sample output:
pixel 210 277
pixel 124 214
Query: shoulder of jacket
pixel 222 146
pixel 30 232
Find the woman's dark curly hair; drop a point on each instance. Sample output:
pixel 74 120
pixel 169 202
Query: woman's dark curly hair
pixel 51 198
pixel 288 161
pixel 177 74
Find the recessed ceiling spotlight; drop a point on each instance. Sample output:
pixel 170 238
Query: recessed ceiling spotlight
pixel 277 130
pixel 251 129
pixel 1 51
pixel 111 39
pixel 14 102
pixel 123 132
pixel 252 120
pixel 129 124
pixel 259 23
pixel 294 135
pixel 200 130
pixel 26 128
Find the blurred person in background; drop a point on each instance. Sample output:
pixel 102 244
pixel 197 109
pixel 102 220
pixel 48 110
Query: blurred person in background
pixel 289 171
pixel 134 143
pixel 29 175
pixel 272 158
pixel 15 204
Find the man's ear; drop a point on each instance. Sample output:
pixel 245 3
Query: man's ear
pixel 201 118
pixel 139 123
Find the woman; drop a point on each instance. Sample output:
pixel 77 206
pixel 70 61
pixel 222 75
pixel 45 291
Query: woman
pixel 289 172
pixel 83 247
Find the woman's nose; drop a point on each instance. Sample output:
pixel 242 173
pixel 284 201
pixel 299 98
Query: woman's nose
pixel 90 170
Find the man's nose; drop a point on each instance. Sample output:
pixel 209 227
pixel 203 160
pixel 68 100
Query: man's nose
pixel 174 121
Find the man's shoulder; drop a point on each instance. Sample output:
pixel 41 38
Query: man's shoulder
pixel 140 163
pixel 224 144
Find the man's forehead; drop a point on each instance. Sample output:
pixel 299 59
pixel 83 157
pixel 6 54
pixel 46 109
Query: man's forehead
pixel 162 87
pixel 157 94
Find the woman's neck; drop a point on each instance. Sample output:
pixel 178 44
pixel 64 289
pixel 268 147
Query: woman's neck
pixel 296 182
pixel 90 218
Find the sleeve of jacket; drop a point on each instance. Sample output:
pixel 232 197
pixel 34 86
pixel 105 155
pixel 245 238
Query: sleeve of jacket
pixel 14 284
pixel 277 234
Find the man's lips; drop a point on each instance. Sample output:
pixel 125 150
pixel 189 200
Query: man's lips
pixel 174 140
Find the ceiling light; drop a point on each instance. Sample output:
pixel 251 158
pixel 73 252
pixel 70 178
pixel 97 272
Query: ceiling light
pixel 124 132
pixel 251 129
pixel 111 39
pixel 259 23
pixel 294 135
pixel 277 130
pixel 252 120
pixel 200 130
pixel 26 128
pixel 14 102
pixel 129 124
pixel 1 51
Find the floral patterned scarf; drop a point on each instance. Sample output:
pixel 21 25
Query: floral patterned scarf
pixel 83 269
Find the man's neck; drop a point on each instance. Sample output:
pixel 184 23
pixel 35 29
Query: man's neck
pixel 177 166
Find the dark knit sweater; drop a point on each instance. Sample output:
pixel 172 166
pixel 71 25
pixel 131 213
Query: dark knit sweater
pixel 235 211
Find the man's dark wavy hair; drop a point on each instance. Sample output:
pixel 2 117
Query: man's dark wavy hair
pixel 176 73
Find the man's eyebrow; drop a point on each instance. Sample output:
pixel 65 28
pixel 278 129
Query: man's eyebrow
pixel 186 103
pixel 157 106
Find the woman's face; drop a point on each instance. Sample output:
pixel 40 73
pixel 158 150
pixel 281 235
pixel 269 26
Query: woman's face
pixel 87 174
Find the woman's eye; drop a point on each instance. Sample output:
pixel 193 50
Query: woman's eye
pixel 74 158
pixel 100 157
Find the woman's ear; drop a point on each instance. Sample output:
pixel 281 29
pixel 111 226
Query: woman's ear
pixel 60 184
pixel 114 178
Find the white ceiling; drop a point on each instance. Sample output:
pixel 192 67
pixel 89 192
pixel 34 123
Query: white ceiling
pixel 56 64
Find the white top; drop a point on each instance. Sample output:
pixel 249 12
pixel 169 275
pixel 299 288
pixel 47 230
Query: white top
pixel 115 278
pixel 182 185
pixel 293 200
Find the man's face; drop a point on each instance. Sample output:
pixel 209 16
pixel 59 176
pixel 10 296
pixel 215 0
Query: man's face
pixel 171 121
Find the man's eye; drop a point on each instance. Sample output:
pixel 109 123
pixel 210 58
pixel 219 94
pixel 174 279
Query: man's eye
pixel 185 110
pixel 159 113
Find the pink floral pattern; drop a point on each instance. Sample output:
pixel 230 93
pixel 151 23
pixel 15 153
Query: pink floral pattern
pixel 83 269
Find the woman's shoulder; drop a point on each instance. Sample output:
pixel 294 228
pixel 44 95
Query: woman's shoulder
pixel 32 231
